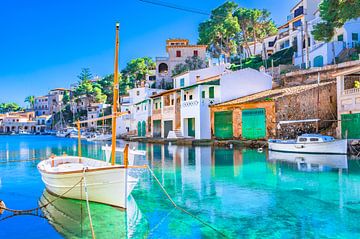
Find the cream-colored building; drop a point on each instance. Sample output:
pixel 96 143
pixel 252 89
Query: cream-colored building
pixel 19 122
pixel 178 50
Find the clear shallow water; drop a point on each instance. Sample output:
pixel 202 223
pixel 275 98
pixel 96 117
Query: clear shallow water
pixel 243 193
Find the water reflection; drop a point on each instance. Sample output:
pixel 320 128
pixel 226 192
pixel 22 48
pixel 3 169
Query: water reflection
pixel 69 217
pixel 311 162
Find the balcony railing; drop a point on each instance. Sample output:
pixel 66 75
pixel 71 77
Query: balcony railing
pixel 351 91
pixel 161 58
pixel 190 103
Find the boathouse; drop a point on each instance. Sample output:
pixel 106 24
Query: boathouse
pixel 348 98
pixel 257 116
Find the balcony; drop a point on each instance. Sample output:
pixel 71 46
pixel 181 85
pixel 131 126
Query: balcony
pixel 190 103
pixel 351 91
pixel 298 12
pixel 284 33
pixel 161 58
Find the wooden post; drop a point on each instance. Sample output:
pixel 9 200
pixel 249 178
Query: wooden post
pixel 79 140
pixel 126 155
pixel 115 97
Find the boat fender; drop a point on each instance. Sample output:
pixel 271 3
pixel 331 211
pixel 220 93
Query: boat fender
pixel 2 206
pixel 260 150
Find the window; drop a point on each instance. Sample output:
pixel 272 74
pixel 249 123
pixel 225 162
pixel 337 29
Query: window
pixel 144 107
pixel 156 106
pixel 172 101
pixel 340 37
pixel 314 139
pixel 137 92
pixel 160 105
pixel 178 53
pixel 211 92
pixel 302 139
pixel 196 53
pixel 355 36
pixel 190 97
pixel 182 82
pixel 203 94
pixel 184 97
pixel 297 24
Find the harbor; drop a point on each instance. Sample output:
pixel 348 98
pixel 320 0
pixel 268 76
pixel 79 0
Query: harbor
pixel 313 198
pixel 244 129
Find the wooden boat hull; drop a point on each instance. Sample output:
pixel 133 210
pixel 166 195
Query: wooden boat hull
pixel 334 147
pixel 108 185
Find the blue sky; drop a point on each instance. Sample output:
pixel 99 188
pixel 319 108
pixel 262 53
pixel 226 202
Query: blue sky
pixel 45 43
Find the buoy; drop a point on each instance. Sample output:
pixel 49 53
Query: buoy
pixel 260 150
pixel 2 206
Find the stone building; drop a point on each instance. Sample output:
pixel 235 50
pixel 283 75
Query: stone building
pixel 178 51
pixel 258 116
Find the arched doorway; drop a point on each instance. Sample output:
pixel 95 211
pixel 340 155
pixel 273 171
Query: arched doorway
pixel 143 129
pixel 319 61
pixel 139 128
pixel 163 68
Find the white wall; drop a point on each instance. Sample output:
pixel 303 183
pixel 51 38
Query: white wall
pixel 243 82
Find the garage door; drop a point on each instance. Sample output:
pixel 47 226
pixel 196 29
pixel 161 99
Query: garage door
pixel 223 125
pixel 253 124
pixel 350 126
pixel 157 128
pixel 168 126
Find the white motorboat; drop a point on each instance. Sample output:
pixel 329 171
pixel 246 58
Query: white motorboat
pixel 311 162
pixel 65 132
pixel 99 137
pixel 106 183
pixel 310 143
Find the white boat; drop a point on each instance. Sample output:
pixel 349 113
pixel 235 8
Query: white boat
pixel 311 162
pixel 99 137
pixel 106 183
pixel 23 132
pixel 65 132
pixel 310 143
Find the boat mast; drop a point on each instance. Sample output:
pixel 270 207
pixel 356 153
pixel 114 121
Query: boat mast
pixel 115 97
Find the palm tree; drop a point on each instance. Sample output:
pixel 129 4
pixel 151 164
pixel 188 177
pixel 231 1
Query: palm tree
pixel 31 100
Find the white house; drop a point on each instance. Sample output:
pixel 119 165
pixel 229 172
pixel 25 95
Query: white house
pixel 348 103
pixel 138 104
pixel 196 97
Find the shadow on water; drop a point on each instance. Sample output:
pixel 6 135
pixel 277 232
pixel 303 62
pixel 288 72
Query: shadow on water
pixel 241 192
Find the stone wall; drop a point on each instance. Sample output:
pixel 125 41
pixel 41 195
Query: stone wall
pixel 305 106
pixel 269 107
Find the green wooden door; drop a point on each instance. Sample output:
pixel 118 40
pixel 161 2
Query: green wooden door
pixel 191 127
pixel 350 125
pixel 253 124
pixel 143 128
pixel 223 125
pixel 319 61
pixel 139 128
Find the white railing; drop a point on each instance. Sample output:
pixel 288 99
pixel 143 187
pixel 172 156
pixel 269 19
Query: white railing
pixel 190 103
pixel 351 91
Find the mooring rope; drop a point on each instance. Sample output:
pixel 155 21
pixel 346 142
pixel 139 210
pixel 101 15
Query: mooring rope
pixel 182 209
pixel 88 205
pixel 28 211
pixel 20 160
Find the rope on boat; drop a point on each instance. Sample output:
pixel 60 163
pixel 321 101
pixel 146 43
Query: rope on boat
pixel 182 209
pixel 88 205
pixel 36 210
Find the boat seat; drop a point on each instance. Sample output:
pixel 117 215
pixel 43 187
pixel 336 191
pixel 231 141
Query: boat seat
pixel 65 167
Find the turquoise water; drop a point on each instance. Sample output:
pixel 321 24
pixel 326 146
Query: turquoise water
pixel 242 193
